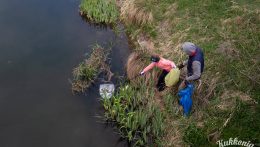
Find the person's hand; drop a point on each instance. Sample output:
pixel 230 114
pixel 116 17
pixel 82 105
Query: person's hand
pixel 186 82
pixel 180 66
pixel 141 73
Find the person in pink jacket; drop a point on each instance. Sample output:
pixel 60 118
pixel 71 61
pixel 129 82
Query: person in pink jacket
pixel 164 64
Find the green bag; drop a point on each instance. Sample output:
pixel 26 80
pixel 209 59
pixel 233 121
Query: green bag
pixel 172 77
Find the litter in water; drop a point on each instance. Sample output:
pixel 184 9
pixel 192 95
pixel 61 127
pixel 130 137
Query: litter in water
pixel 106 90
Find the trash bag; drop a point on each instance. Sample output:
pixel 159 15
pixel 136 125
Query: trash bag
pixel 106 90
pixel 186 101
pixel 172 77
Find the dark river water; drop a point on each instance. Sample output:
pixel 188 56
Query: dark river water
pixel 41 41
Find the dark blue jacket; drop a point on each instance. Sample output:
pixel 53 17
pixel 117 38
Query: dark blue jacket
pixel 197 57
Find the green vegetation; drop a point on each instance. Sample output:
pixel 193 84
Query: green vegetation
pixel 228 100
pixel 88 70
pixel 138 119
pixel 100 11
pixel 229 34
pixel 195 136
pixel 247 117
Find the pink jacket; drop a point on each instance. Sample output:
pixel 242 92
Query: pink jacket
pixel 163 64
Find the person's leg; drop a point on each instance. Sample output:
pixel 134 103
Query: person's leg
pixel 161 83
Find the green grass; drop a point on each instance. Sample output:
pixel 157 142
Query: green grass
pixel 195 136
pixel 244 124
pixel 100 11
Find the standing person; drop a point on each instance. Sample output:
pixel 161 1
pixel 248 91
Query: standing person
pixel 164 64
pixel 195 63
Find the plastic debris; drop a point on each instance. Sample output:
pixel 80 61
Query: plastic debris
pixel 106 90
pixel 186 101
pixel 172 77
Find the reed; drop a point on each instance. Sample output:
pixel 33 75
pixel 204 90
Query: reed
pixel 133 11
pixel 137 121
pixel 100 11
pixel 88 70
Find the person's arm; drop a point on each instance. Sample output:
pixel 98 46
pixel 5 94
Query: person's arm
pixel 172 64
pixel 184 63
pixel 149 67
pixel 196 67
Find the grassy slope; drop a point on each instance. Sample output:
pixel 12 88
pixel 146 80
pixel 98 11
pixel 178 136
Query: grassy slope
pixel 229 33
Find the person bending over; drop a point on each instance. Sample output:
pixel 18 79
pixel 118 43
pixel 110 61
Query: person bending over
pixel 164 64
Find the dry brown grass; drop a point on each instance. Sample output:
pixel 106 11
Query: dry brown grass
pixel 145 43
pixel 136 62
pixel 228 94
pixel 227 48
pixel 173 136
pixel 131 13
pixel 134 65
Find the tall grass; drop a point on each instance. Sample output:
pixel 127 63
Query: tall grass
pixel 100 11
pixel 133 11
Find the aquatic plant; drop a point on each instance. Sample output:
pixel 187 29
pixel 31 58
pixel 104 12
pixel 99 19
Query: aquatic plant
pixel 100 11
pixel 137 121
pixel 88 70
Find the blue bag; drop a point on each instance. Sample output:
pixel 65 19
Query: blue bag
pixel 186 100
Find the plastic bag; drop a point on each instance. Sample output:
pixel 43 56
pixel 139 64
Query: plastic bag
pixel 172 77
pixel 106 90
pixel 186 100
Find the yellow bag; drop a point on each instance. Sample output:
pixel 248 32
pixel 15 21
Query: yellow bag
pixel 172 77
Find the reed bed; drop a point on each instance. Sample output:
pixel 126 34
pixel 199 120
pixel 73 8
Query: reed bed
pixel 100 11
pixel 88 70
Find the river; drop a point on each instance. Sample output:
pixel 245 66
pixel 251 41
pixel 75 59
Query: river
pixel 41 41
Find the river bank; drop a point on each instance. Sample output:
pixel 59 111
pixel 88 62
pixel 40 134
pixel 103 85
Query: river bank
pixel 228 33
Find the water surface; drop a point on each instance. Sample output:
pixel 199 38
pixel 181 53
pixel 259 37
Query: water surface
pixel 41 41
